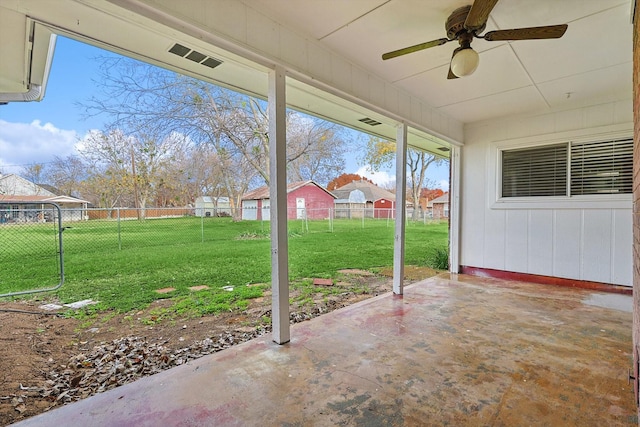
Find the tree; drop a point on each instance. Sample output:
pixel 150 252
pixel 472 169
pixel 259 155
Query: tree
pixel 345 179
pixel 431 193
pixel 194 172
pixel 133 165
pixel 417 164
pixel 315 149
pixel 142 99
pixel 109 182
pixel 34 173
pixel 67 174
pixel 380 153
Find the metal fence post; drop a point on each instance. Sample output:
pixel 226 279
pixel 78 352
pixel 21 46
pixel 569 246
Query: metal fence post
pixel 119 231
pixel 331 214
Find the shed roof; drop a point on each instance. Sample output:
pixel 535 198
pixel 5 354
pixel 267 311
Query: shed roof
pixel 10 198
pixel 204 199
pixel 263 192
pixel 371 191
pixel 444 199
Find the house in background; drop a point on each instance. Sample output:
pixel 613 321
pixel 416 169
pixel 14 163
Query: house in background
pixel 439 207
pixel 305 200
pixel 362 198
pixel 24 201
pixel 14 185
pixel 212 206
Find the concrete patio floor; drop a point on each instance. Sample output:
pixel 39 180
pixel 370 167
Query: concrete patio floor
pixel 457 350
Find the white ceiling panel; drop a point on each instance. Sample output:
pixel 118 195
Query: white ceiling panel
pixel 324 20
pixel 499 71
pixel 515 101
pixel 594 42
pixel 527 13
pixel 579 89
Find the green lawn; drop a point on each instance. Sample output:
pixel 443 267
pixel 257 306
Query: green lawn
pixel 121 265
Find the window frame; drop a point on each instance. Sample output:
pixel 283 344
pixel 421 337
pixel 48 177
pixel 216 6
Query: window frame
pixel 591 201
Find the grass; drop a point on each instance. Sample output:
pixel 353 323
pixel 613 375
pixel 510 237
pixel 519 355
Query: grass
pixel 439 258
pixel 122 265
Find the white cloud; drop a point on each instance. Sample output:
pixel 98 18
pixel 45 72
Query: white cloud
pixel 443 184
pixel 28 143
pixel 380 178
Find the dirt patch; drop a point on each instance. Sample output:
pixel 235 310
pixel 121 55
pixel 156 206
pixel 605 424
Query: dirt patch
pixel 411 272
pixel 47 360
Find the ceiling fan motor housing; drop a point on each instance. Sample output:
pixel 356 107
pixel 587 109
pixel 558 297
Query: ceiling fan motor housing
pixel 455 23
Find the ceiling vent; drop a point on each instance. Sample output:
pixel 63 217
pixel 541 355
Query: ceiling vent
pixel 370 122
pixel 195 56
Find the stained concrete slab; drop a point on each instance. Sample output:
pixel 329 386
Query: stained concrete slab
pixel 615 301
pixel 459 351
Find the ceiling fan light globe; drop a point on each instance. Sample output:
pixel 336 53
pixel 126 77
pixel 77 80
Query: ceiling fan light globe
pixel 465 62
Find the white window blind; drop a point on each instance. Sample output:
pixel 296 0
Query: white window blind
pixel 602 167
pixel 539 171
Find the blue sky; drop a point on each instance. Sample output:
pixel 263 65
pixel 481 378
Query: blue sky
pixel 35 132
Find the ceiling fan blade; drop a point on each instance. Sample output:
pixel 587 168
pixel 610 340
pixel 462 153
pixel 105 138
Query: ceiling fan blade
pixel 531 33
pixel 451 76
pixel 478 15
pixel 415 48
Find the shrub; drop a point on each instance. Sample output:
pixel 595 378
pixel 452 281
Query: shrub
pixel 439 258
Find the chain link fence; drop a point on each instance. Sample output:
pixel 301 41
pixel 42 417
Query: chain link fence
pixel 122 228
pixel 31 250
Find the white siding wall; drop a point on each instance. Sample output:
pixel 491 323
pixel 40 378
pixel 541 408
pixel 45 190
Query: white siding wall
pixel 583 240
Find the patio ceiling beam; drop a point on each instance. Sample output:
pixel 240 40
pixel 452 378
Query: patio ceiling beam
pixel 401 197
pixel 278 196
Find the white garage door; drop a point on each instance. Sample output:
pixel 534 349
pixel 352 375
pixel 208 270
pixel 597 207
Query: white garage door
pixel 266 209
pixel 250 209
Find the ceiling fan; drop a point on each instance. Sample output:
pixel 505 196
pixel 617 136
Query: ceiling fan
pixel 468 22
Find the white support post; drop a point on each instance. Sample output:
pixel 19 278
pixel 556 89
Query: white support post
pixel 401 212
pixel 454 210
pixel 278 197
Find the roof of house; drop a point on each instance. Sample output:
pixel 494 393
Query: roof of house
pixel 15 184
pixel 21 189
pixel 371 191
pixel 263 192
pixel 50 188
pixel 10 198
pixel 444 199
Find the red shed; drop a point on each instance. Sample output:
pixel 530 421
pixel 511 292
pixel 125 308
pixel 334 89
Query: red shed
pixel 305 199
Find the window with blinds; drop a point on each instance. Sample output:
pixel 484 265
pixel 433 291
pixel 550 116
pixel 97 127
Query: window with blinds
pixel 539 171
pixel 603 167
